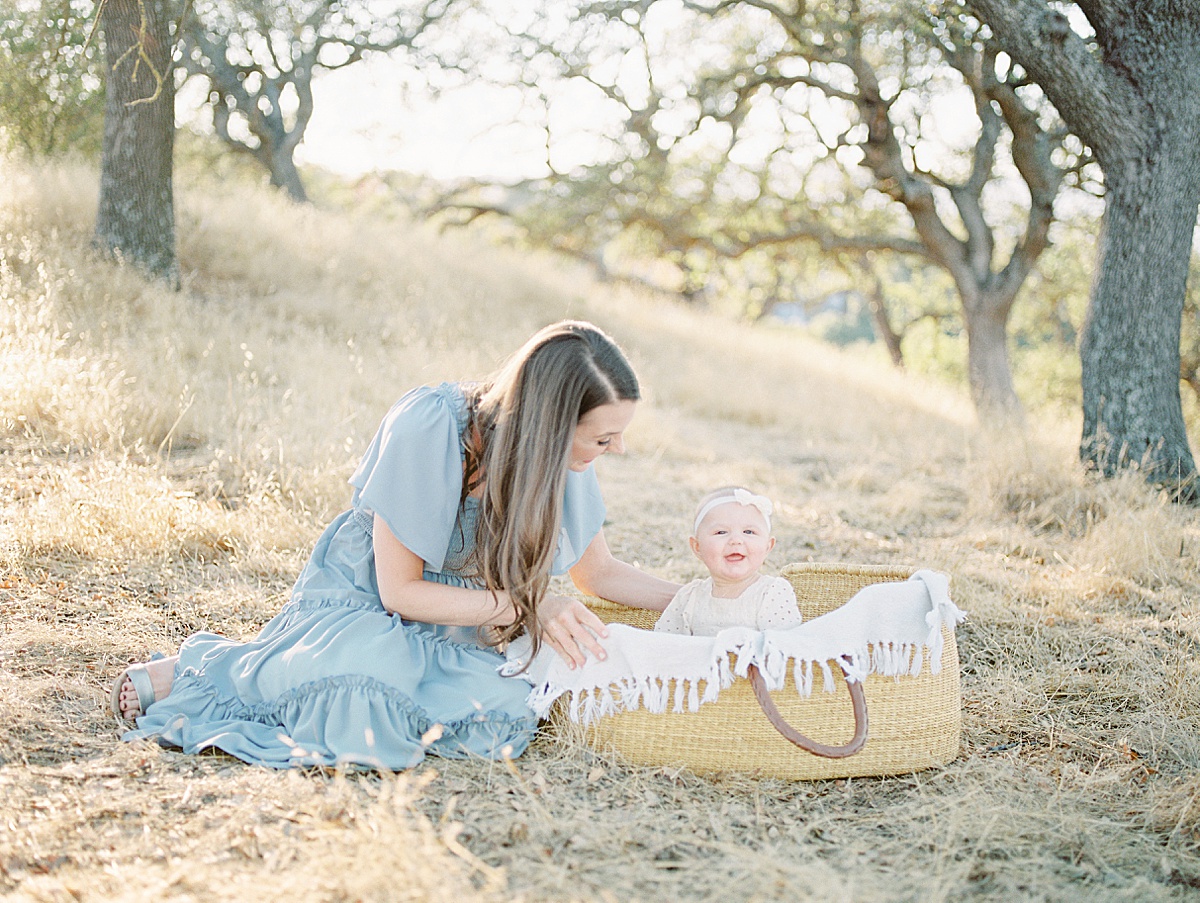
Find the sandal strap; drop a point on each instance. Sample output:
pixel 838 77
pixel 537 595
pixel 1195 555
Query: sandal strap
pixel 141 683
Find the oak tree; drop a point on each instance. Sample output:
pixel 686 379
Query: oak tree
pixel 1124 77
pixel 753 129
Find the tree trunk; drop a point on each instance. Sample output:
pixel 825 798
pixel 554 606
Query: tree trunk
pixel 989 372
pixel 284 173
pixel 135 219
pixel 1132 415
pixel 883 324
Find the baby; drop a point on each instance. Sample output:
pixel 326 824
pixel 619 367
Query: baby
pixel 732 536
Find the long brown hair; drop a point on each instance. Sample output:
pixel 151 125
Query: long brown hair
pixel 524 419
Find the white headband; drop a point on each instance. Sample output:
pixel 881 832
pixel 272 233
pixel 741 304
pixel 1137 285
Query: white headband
pixel 740 497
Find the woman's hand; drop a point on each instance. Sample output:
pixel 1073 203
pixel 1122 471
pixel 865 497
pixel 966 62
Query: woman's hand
pixel 571 629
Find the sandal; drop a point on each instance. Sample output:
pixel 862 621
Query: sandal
pixel 141 683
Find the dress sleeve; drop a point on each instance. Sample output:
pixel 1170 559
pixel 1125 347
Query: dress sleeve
pixel 411 475
pixel 778 609
pixel 676 616
pixel 582 518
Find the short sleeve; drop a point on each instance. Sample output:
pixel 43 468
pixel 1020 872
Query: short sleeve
pixel 411 474
pixel 675 617
pixel 778 609
pixel 582 518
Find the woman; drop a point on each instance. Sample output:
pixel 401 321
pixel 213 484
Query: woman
pixel 468 499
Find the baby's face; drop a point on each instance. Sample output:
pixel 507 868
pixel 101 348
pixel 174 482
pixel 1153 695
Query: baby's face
pixel 733 541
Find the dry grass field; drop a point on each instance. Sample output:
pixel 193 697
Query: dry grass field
pixel 166 460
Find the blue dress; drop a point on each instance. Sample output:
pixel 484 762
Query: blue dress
pixel 335 678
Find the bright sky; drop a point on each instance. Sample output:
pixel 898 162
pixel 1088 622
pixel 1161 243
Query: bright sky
pixel 367 117
pixel 362 121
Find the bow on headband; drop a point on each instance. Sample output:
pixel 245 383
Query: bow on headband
pixel 740 497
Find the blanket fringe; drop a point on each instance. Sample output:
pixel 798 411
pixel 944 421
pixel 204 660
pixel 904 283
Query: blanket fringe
pixel 656 694
pixel 922 644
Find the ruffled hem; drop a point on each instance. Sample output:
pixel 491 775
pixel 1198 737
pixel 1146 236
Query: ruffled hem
pixel 337 721
pixel 336 682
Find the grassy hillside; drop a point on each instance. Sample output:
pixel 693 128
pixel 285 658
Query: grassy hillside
pixel 167 459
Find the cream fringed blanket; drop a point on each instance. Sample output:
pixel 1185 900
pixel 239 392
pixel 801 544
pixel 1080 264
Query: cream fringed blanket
pixel 886 628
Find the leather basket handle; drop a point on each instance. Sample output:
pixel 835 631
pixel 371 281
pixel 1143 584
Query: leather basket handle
pixel 809 745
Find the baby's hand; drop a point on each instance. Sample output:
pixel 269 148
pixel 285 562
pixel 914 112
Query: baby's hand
pixel 571 629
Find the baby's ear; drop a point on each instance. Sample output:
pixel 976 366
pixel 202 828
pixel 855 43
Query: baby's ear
pixel 695 544
pixel 771 544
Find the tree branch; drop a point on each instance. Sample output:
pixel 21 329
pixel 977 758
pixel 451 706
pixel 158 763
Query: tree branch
pixel 1091 95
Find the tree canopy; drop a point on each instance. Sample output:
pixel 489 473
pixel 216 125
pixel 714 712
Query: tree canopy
pixel 747 131
pixel 259 58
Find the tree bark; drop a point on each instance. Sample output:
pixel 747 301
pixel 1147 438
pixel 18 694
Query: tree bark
pixel 135 218
pixel 1132 411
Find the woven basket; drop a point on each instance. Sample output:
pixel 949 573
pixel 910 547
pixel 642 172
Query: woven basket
pixel 914 722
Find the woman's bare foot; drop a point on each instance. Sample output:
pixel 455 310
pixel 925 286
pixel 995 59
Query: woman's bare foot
pixel 161 672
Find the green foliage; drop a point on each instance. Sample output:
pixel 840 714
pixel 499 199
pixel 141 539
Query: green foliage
pixel 849 328
pixel 1043 330
pixel 938 350
pixel 51 83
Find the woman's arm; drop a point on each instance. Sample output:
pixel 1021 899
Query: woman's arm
pixel 567 625
pixel 600 574
pixel 405 592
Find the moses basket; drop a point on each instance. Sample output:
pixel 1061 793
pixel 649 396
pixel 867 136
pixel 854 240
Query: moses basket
pixel 911 722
